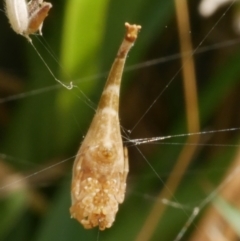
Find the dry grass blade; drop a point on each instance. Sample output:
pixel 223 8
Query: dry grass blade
pixel 185 157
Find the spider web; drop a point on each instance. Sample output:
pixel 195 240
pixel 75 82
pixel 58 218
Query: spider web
pixel 154 142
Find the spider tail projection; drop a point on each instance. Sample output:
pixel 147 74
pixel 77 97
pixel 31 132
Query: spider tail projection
pixel 101 165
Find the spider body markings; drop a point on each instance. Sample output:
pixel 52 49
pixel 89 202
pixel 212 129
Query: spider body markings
pixel 101 165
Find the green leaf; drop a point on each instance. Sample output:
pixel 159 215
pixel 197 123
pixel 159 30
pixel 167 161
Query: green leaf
pixel 12 208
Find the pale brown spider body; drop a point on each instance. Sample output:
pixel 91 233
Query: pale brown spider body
pixel 101 165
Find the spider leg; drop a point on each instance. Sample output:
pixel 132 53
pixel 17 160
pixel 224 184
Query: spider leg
pixel 77 173
pixel 126 164
pixel 123 177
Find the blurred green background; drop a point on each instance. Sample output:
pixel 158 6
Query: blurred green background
pixel 42 124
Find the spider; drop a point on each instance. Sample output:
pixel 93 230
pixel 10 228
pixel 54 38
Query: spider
pixel 101 166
